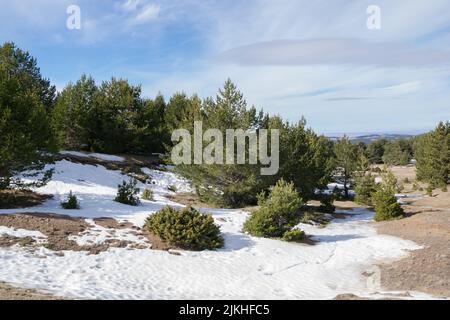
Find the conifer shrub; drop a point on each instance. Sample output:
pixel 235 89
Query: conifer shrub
pixel 71 203
pixel 186 228
pixel 147 194
pixel 406 180
pixel 386 205
pixel 364 188
pixel 277 214
pixel 127 193
pixel 294 235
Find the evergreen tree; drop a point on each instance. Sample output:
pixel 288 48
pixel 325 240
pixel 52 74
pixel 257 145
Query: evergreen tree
pixel 305 158
pixel 433 156
pixel 397 152
pixel 227 184
pixel 375 151
pixel 118 107
pixel 384 200
pixel 364 181
pixel 151 135
pixel 74 115
pixel 345 162
pixel 26 137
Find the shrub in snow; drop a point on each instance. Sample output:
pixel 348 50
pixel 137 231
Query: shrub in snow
pixel 386 206
pixel 71 203
pixel 172 188
pixel 277 214
pixel 147 194
pixel 185 228
pixel 294 235
pixel 127 193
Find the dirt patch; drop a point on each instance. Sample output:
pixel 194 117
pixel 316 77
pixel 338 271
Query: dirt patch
pixel 58 229
pixel 9 241
pixel 426 270
pixel 18 199
pixel 157 243
pixel 8 292
pixel 345 205
pixel 110 223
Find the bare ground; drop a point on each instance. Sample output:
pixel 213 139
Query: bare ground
pixel 425 270
pixel 8 292
pixel 14 199
pixel 428 224
pixel 58 229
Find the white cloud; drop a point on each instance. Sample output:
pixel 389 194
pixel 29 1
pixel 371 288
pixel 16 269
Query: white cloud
pixel 148 13
pixel 335 51
pixel 131 5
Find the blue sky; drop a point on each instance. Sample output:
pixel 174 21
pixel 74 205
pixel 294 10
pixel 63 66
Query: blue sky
pixel 297 58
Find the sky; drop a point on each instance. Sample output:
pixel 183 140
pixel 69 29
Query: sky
pixel 316 59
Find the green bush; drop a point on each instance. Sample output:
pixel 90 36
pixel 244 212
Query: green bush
pixel 71 203
pixel 406 180
pixel 277 214
pixel 127 193
pixel 147 194
pixel 386 205
pixel 444 188
pixel 294 235
pixel 186 228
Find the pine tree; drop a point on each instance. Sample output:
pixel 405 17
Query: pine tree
pixel 397 152
pixel 26 137
pixel 345 162
pixel 228 185
pixel 375 151
pixel 433 156
pixel 364 181
pixel 74 117
pixel 305 158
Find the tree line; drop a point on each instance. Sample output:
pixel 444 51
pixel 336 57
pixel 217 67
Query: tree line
pixel 113 117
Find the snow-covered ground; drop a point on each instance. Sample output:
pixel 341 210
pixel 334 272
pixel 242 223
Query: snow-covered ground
pixel 100 156
pixel 246 268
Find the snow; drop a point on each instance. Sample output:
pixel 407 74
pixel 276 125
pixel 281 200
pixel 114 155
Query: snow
pixel 100 156
pixel 246 268
pixel 162 180
pixel 107 157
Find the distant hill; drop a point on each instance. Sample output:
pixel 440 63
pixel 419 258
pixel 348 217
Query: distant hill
pixel 367 138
